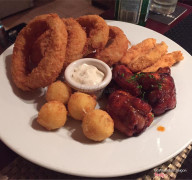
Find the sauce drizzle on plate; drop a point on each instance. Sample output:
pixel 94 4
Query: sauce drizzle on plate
pixel 161 128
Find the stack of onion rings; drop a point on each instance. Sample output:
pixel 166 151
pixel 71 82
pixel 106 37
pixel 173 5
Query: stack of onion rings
pixel 50 44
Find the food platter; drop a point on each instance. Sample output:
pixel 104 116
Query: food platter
pixel 68 151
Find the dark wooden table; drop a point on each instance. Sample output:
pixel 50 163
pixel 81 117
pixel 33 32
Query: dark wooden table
pixel 7 155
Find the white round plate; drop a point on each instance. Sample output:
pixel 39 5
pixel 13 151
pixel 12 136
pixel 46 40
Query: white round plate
pixel 67 150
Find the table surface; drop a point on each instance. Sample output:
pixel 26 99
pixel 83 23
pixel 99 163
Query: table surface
pixel 7 155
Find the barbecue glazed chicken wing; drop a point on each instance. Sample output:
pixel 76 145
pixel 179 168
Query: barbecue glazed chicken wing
pixel 138 96
pixel 125 79
pixel 158 90
pixel 131 115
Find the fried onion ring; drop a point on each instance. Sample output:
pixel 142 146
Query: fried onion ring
pixel 97 30
pixel 115 48
pixel 52 62
pixel 75 44
pixel 77 39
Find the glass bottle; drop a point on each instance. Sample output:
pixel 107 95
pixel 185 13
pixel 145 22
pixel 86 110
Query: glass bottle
pixel 132 11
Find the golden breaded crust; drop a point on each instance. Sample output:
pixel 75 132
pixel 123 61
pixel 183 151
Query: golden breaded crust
pixel 97 125
pixel 52 115
pixel 79 104
pixel 58 91
pixel 77 39
pixel 116 47
pixel 166 60
pixel 138 50
pixel 51 64
pixel 142 62
pixel 97 29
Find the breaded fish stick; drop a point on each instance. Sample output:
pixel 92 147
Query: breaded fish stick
pixel 166 60
pixel 138 50
pixel 142 62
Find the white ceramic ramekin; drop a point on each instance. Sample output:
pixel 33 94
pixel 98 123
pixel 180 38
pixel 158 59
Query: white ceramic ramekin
pixel 96 89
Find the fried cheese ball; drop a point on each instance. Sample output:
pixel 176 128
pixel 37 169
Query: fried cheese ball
pixel 97 125
pixel 52 115
pixel 58 91
pixel 79 104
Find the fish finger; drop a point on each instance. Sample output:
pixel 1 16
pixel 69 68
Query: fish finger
pixel 142 62
pixel 166 60
pixel 138 50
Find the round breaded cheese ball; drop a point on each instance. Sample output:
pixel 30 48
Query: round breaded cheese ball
pixel 52 115
pixel 97 125
pixel 58 91
pixel 79 104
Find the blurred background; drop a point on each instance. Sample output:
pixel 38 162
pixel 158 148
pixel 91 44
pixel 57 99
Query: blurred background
pixel 13 12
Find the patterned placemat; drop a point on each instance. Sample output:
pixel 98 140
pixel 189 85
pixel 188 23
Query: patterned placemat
pixel 23 169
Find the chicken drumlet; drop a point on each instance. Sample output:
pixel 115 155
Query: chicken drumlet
pixel 131 115
pixel 158 90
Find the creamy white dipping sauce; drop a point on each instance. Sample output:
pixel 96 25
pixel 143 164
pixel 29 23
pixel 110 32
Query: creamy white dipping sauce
pixel 87 75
